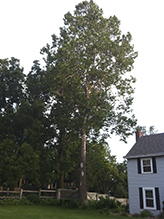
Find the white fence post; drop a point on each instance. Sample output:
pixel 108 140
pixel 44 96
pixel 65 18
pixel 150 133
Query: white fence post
pixel 39 193
pixel 58 194
pixel 21 192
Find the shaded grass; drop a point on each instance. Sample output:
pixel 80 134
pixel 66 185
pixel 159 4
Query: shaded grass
pixel 51 212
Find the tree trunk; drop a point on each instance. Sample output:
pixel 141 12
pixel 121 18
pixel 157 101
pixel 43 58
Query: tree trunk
pixel 61 180
pixel 101 186
pixel 83 183
pixel 20 183
pixel 61 176
pixel 83 186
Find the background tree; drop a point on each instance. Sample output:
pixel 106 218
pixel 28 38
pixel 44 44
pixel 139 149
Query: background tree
pixel 102 172
pixel 11 96
pixel 121 188
pixel 25 132
pixel 34 134
pixel 59 142
pixel 91 56
pixel 39 133
pixel 151 130
pixel 65 135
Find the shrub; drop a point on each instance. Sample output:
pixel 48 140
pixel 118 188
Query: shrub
pixel 34 199
pixel 25 201
pixel 10 201
pixel 104 211
pixel 146 213
pixel 124 214
pixel 63 202
pixel 125 208
pixel 161 214
pixel 106 203
pixel 51 202
pixel 116 210
pixel 118 203
pixel 92 204
pixel 136 215
pixel 74 204
pixel 83 206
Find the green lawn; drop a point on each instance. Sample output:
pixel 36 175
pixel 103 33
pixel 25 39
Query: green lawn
pixel 49 212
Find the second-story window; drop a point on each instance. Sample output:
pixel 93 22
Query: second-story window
pixel 146 165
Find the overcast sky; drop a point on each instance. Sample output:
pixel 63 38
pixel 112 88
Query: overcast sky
pixel 26 26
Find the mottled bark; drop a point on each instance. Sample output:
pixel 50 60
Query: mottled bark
pixel 82 186
pixel 20 183
pixel 83 183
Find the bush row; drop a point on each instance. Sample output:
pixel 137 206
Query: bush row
pixel 148 214
pixel 103 203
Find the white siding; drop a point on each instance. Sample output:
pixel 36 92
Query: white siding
pixel 135 181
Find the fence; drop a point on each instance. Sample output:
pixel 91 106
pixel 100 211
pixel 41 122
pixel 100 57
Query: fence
pixel 57 194
pixel 19 193
pixel 96 197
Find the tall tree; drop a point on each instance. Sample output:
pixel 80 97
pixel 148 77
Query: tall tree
pixel 90 59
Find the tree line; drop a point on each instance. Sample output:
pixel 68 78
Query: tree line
pixel 55 120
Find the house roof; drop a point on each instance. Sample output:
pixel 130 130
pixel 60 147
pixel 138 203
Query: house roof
pixel 149 145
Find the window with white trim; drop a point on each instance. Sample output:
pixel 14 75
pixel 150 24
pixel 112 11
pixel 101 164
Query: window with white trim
pixel 146 165
pixel 149 198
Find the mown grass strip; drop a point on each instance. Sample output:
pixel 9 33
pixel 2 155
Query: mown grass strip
pixel 51 212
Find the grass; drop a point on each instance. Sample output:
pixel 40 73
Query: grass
pixel 51 212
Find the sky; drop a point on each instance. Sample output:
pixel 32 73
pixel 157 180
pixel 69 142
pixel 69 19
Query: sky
pixel 26 26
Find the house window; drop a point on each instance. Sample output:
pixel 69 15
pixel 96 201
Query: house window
pixel 149 198
pixel 146 165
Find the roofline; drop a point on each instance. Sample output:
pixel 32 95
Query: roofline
pixel 144 155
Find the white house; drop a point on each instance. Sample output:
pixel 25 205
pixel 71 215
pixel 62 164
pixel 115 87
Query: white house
pixel 146 173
